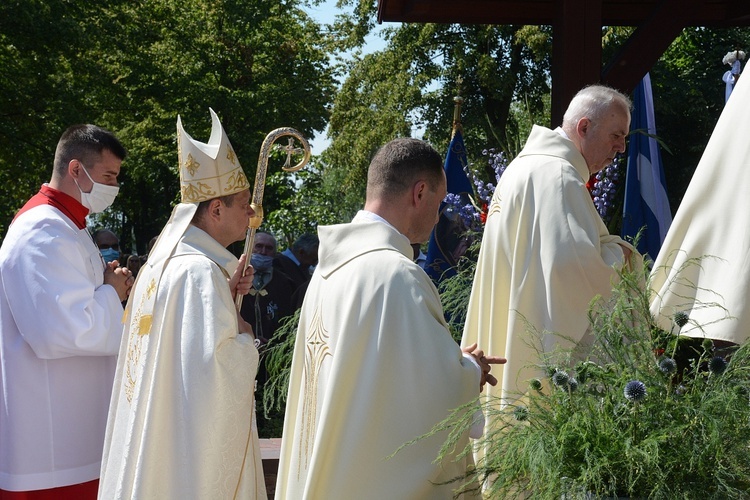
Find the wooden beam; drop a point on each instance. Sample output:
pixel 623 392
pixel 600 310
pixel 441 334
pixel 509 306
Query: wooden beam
pixel 576 51
pixel 649 41
pixel 467 11
pixel 714 13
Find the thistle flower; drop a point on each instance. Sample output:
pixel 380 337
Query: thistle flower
pixel 535 384
pixel 667 366
pixel 572 384
pixel 521 413
pixel 560 378
pixel 635 391
pixel 680 318
pixel 717 365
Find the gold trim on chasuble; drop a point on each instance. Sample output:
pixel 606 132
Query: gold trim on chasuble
pixel 494 206
pixel 316 351
pixel 140 327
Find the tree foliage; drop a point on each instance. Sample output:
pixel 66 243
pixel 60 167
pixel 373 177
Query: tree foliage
pixel 133 67
pixel 503 74
pixel 689 97
pixel 501 71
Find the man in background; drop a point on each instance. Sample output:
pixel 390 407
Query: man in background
pixel 60 326
pixel 296 261
pixel 108 244
pixel 270 299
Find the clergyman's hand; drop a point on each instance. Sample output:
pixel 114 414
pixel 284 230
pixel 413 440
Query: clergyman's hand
pixel 484 363
pixel 240 283
pixel 120 278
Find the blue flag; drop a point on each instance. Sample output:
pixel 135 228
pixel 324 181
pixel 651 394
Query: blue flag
pixel 447 241
pixel 646 202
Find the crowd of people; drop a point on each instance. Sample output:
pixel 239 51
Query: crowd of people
pixel 137 381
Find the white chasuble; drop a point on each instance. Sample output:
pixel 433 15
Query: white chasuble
pixel 703 267
pixel 544 256
pixel 182 418
pixel 374 367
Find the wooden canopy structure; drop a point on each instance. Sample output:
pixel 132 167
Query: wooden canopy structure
pixel 577 29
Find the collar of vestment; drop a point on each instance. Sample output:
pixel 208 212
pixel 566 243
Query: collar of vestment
pixel 195 241
pixel 341 243
pixel 65 203
pixel 543 141
pixel 192 241
pixel 367 216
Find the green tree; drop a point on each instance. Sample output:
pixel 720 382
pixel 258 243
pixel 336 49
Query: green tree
pixel 689 98
pixel 501 71
pixel 134 66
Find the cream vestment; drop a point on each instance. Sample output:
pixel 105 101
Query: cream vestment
pixel 181 423
pixel 711 225
pixel 544 256
pixel 374 367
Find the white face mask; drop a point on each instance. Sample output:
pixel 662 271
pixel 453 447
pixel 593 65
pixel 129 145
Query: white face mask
pixel 100 197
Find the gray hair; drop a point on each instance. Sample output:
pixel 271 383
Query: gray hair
pixel 308 242
pixel 592 102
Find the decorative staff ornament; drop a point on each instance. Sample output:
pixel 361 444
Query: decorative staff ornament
pixel 256 202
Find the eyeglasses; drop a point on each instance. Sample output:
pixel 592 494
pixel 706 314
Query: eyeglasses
pixel 104 246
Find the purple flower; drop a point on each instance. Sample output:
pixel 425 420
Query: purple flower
pixel 717 365
pixel 635 391
pixel 681 318
pixel 471 214
pixel 667 366
pixel 605 186
pixel 572 384
pixel 560 378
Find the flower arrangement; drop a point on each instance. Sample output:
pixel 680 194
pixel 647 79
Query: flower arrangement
pixel 474 214
pixel 732 56
pixel 603 188
pixel 646 414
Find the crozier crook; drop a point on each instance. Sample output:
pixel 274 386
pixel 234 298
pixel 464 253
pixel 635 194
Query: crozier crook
pixel 256 202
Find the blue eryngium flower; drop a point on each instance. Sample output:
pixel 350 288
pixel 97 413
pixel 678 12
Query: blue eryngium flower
pixel 560 378
pixel 572 384
pixel 717 365
pixel 680 318
pixel 521 413
pixel 667 366
pixel 635 390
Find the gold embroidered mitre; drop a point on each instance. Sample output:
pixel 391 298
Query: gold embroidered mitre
pixel 208 170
